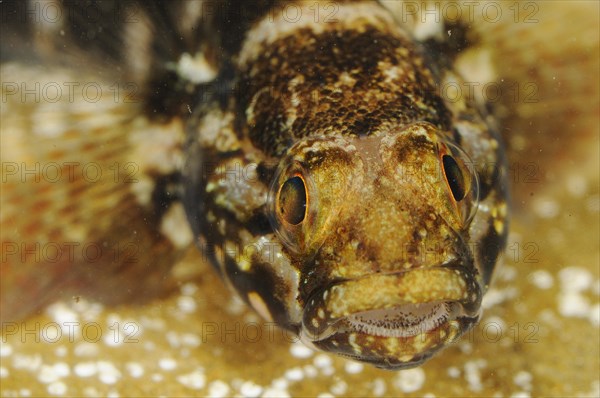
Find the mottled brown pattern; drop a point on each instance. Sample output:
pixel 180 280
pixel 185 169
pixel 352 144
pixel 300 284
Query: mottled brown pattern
pixel 353 108
pixel 336 83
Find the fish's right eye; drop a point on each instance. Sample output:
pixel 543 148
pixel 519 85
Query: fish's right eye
pixel 292 200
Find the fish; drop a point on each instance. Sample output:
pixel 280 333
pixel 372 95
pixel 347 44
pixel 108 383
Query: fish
pixel 340 194
pixel 307 148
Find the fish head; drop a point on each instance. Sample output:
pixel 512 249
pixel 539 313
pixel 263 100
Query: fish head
pixel 378 227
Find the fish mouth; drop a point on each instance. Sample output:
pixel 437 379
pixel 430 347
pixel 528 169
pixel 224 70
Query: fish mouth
pixel 396 320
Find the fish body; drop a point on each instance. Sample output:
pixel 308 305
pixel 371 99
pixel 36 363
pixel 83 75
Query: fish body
pixel 340 193
pixel 321 170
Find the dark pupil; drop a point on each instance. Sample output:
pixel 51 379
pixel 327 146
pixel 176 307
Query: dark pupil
pixel 292 200
pixel 454 177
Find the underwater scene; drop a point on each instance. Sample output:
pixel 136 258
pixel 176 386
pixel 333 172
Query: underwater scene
pixel 298 263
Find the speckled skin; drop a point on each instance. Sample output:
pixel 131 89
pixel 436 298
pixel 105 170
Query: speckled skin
pixel 350 105
pixel 386 266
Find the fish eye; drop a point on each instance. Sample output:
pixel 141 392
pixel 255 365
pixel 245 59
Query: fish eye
pixel 292 200
pixel 454 177
pixel 460 177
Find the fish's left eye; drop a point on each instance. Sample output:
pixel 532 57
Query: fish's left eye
pixel 292 200
pixel 454 177
pixel 459 175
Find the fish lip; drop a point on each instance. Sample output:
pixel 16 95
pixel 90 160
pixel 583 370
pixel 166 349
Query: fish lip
pixel 405 356
pixel 332 315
